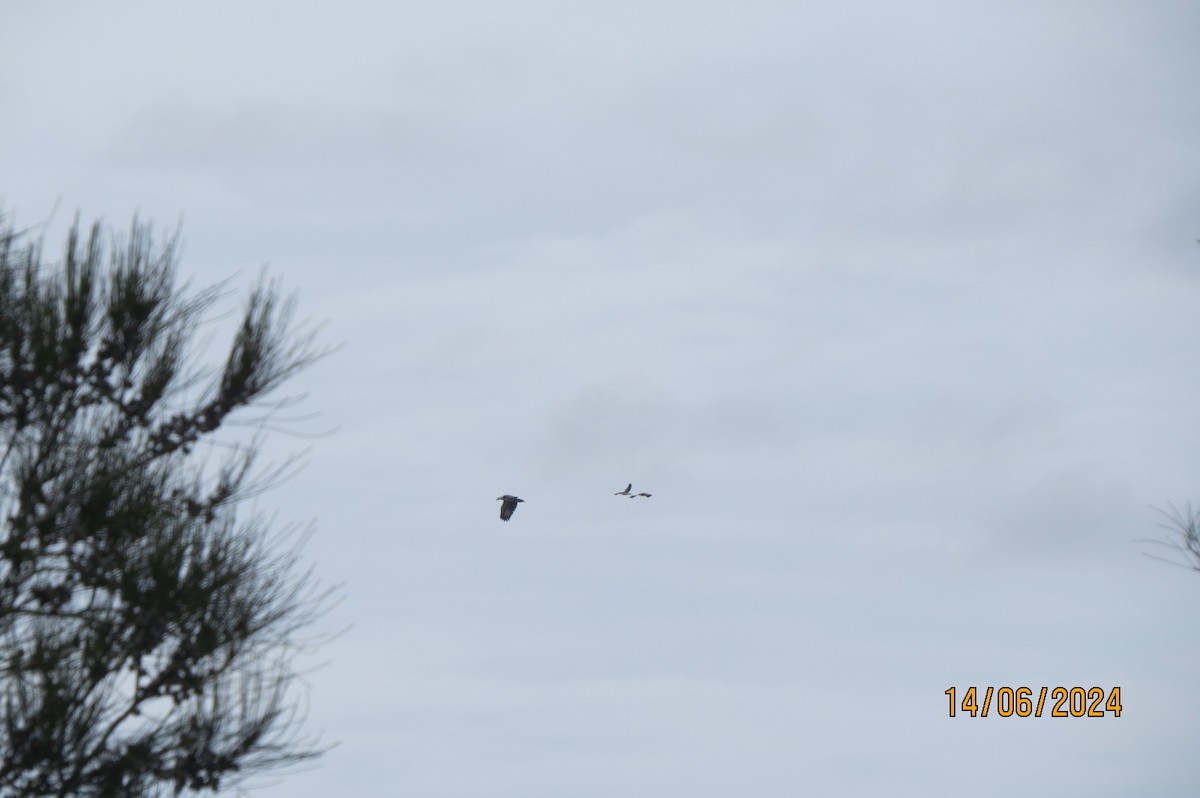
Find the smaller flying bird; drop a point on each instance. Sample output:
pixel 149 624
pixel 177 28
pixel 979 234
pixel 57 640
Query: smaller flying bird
pixel 634 496
pixel 625 492
pixel 508 507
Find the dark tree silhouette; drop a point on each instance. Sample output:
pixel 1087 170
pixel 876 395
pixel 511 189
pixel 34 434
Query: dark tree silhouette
pixel 147 633
pixel 1183 539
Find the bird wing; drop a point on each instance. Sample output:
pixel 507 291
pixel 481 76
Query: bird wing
pixel 625 492
pixel 506 508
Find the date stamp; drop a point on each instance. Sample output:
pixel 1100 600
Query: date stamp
pixel 1065 702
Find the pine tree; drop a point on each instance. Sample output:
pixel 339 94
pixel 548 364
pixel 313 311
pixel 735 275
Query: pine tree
pixel 146 630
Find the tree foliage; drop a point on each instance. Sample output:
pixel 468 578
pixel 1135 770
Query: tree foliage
pixel 146 631
pixel 1183 539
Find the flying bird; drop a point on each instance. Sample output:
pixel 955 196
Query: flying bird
pixel 634 496
pixel 625 492
pixel 508 507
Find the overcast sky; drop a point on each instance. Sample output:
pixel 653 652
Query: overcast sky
pixel 892 306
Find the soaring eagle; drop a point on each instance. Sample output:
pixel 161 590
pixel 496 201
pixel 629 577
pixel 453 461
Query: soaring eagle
pixel 508 507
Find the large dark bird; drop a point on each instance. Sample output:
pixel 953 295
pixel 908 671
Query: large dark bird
pixel 508 507
pixel 625 492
